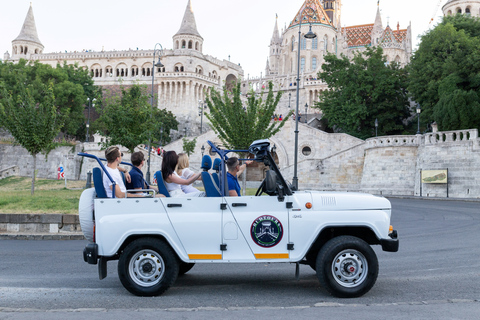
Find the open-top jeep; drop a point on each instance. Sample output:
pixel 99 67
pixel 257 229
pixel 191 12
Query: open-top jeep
pixel 156 239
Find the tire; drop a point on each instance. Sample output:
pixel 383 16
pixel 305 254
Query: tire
pixel 347 267
pixel 147 267
pixel 184 268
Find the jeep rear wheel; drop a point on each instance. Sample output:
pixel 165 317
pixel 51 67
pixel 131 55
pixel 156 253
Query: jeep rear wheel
pixel 347 267
pixel 147 267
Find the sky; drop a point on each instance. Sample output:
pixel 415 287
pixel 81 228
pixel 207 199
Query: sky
pixel 231 29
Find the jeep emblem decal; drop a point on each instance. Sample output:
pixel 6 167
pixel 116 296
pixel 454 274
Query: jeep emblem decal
pixel 266 231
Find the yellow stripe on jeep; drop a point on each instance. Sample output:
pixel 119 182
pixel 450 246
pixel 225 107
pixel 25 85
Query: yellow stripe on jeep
pixel 271 255
pixel 205 256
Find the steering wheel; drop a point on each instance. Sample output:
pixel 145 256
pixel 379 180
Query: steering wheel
pixel 260 189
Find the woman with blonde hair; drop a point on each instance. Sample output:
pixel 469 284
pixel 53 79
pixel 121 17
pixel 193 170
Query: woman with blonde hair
pixel 172 180
pixel 184 172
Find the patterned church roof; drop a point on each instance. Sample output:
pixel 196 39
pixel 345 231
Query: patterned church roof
pixel 361 36
pixel 316 15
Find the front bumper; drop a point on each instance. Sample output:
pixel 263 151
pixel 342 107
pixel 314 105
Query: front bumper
pixel 391 244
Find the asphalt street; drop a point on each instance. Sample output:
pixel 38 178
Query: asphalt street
pixel 435 275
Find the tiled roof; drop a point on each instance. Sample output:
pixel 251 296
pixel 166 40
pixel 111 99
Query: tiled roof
pixel 359 36
pixel 316 15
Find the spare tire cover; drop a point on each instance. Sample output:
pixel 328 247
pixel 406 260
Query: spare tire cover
pixel 85 212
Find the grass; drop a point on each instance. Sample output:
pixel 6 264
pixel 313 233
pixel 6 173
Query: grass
pixel 50 196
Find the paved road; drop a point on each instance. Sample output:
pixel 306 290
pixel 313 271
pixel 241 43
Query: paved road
pixel 435 275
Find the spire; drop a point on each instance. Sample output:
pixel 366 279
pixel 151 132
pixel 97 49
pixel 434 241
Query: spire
pixel 189 27
pixel 29 30
pixel 275 36
pixel 378 18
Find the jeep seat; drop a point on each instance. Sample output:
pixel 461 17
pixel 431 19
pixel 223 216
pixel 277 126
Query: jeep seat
pixel 161 184
pixel 216 167
pixel 98 183
pixel 211 188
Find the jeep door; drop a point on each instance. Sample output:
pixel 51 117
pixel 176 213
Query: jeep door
pixel 262 227
pixel 197 222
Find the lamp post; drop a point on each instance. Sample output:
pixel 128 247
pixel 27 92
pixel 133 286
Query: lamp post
pixel 159 65
pixel 306 109
pixel 376 126
pixel 203 150
pixel 309 35
pixel 87 136
pixel 201 107
pixel 186 131
pixel 418 117
pixel 289 96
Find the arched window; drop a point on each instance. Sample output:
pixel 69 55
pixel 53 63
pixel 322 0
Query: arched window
pixel 293 43
pixel 196 45
pixel 26 49
pixel 325 43
pixel 184 44
pixel 449 12
pixel 459 10
pixel 190 44
pixel 36 51
pixel 314 63
pixel 302 64
pixel 303 43
pixel 467 11
pixel 315 43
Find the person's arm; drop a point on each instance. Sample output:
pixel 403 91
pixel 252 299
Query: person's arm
pixel 176 179
pixel 125 172
pixel 232 193
pixel 242 167
pixel 120 194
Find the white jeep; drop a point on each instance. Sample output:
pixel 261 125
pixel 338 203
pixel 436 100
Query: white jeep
pixel 157 239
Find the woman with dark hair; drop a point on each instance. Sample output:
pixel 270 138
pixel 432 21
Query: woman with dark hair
pixel 173 181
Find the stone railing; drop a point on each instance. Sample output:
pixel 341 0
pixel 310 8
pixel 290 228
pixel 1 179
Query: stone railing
pixel 451 136
pixel 393 141
pixel 8 172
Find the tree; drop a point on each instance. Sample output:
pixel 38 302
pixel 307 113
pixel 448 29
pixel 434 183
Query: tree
pixel 131 120
pixel 445 74
pixel 33 124
pixel 364 89
pixel 189 146
pixel 71 87
pixel 237 125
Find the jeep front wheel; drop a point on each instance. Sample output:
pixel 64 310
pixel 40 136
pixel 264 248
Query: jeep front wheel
pixel 147 267
pixel 347 267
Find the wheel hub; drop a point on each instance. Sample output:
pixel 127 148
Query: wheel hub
pixel 349 268
pixel 146 268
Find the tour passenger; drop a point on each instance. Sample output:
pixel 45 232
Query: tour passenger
pixel 184 172
pixel 234 170
pixel 114 157
pixel 136 174
pixel 172 180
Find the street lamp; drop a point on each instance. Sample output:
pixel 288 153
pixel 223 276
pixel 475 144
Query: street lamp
pixel 203 150
pixel 376 126
pixel 418 117
pixel 87 136
pixel 159 65
pixel 201 107
pixel 306 109
pixel 309 35
pixel 186 131
pixel 289 96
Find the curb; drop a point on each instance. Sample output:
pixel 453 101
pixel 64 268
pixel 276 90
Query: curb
pixel 46 236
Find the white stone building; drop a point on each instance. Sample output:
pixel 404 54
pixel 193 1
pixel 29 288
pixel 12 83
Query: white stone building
pixel 324 17
pixel 470 7
pixel 178 86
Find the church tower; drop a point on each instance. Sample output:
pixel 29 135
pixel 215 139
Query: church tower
pixel 333 9
pixel 27 42
pixel 188 37
pixel 377 31
pixel 273 63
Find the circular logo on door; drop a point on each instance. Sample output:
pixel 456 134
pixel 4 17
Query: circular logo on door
pixel 267 231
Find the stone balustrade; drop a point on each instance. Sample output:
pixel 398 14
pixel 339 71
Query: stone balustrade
pixel 393 141
pixel 451 136
pixel 8 172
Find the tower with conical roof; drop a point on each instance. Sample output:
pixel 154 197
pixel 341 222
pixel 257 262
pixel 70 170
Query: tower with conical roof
pixel 27 43
pixel 377 30
pixel 188 36
pixel 468 7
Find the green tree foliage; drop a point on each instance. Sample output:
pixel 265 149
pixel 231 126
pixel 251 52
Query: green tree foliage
pixel 445 74
pixel 130 120
pixel 71 87
pixel 189 146
pixel 364 89
pixel 237 125
pixel 34 125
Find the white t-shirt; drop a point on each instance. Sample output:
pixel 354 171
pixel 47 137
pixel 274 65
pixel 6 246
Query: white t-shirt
pixel 187 173
pixel 115 174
